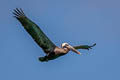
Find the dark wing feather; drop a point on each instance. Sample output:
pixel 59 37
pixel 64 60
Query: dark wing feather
pixel 37 34
pixel 85 46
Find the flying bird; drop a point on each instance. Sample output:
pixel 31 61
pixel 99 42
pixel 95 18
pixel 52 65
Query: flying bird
pixel 52 51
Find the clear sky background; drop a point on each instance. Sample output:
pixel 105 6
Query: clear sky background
pixel 73 21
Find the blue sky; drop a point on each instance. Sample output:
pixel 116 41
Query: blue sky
pixel 73 21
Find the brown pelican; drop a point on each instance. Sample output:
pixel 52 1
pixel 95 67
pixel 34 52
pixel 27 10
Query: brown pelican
pixel 51 50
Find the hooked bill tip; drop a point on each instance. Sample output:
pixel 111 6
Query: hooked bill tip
pixel 79 53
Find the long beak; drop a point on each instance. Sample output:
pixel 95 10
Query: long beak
pixel 73 49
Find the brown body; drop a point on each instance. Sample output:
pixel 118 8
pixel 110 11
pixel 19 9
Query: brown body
pixel 58 50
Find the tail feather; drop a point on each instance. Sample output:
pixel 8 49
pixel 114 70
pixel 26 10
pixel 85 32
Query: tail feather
pixel 43 59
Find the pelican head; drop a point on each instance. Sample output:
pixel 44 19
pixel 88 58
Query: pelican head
pixel 69 47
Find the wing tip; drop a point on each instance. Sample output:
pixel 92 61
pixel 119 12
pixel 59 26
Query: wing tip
pixel 18 12
pixel 93 45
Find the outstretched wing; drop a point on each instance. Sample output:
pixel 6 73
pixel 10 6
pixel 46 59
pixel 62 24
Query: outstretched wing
pixel 85 46
pixel 37 34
